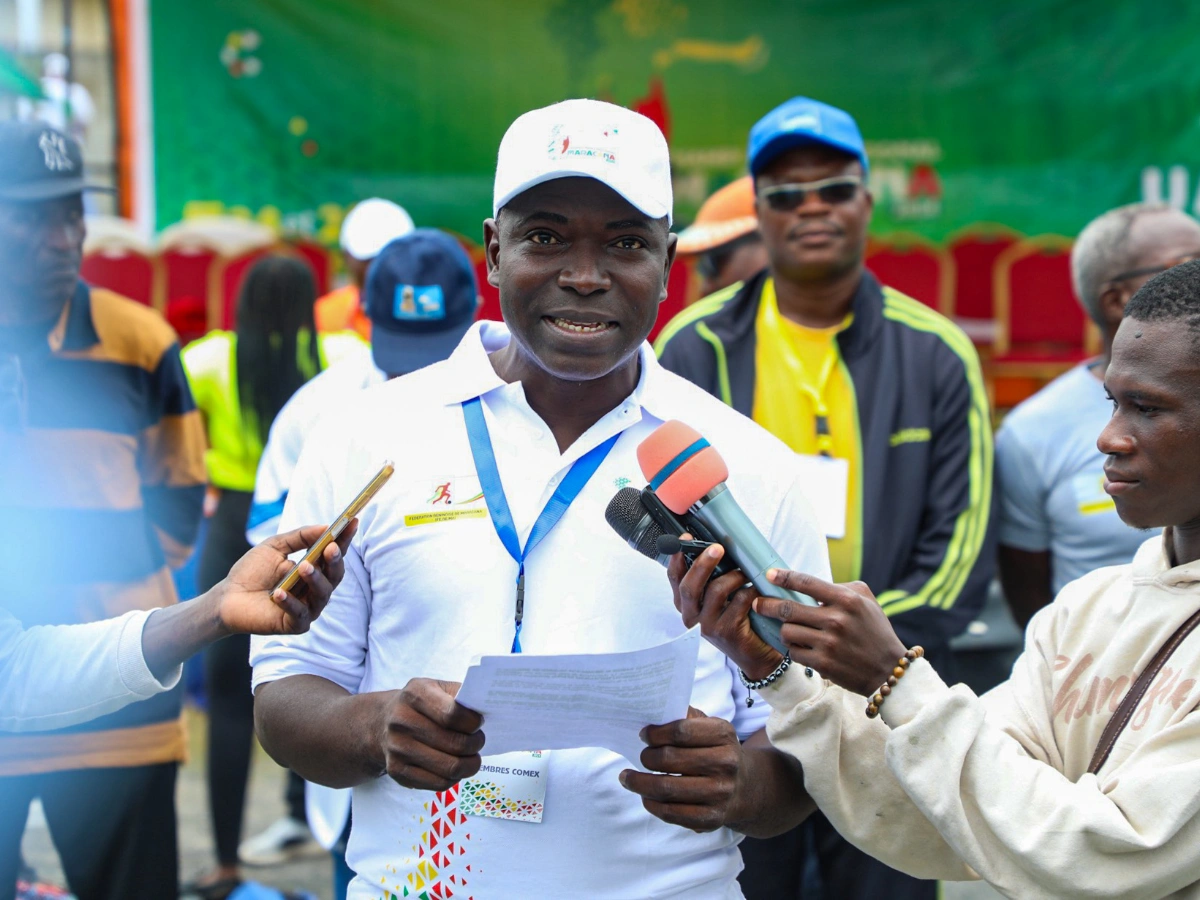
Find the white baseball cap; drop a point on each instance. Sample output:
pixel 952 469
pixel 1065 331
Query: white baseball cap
pixel 592 139
pixel 372 225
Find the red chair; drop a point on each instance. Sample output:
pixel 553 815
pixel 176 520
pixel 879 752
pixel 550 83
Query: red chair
pixel 1037 315
pixel 1041 330
pixel 187 269
pixel 127 271
pixel 914 266
pixel 975 250
pixel 318 258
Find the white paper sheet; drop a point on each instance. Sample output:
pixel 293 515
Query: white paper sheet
pixel 531 702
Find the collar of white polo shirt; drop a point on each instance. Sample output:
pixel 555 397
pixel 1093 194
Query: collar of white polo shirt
pixel 470 373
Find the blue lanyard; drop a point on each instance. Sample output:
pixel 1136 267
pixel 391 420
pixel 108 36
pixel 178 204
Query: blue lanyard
pixel 497 503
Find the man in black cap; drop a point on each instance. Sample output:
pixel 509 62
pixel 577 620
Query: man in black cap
pixel 101 461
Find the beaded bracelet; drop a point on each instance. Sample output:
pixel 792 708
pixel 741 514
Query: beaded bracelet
pixel 770 679
pixel 897 673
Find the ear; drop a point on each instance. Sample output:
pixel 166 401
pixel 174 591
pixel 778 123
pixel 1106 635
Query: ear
pixel 1111 304
pixel 869 200
pixel 672 244
pixel 491 249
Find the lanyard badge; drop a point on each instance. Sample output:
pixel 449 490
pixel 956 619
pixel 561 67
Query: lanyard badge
pixel 493 492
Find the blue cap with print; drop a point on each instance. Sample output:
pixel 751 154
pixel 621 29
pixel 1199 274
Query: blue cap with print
pixel 421 297
pixel 803 122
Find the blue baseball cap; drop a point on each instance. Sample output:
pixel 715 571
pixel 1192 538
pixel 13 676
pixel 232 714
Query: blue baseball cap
pixel 421 297
pixel 799 122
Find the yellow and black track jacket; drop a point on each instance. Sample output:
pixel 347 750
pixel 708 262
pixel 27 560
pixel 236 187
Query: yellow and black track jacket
pixel 924 427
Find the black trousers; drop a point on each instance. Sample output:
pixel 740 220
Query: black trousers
pixel 114 830
pixel 227 683
pixel 776 869
pixel 293 796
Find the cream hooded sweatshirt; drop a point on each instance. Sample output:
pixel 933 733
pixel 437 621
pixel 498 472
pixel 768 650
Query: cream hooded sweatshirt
pixel 948 785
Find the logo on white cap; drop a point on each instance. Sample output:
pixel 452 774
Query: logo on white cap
pixel 54 151
pixel 586 139
pixel 583 142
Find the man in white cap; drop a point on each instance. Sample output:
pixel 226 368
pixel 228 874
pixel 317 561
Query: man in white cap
pixel 551 404
pixel 367 229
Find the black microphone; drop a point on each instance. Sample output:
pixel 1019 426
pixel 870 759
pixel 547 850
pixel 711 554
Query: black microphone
pixel 645 523
pixel 651 529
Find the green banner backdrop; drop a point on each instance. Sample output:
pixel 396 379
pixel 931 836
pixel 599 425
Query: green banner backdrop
pixel 1037 115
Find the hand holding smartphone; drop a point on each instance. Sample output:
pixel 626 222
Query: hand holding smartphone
pixel 292 582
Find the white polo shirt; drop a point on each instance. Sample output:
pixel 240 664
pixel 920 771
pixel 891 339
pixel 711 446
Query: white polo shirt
pixel 291 428
pixel 429 586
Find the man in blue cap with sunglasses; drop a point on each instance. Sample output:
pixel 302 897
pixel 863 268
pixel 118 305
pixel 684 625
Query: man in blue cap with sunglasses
pixel 882 400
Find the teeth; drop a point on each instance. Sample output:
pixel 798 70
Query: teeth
pixel 585 328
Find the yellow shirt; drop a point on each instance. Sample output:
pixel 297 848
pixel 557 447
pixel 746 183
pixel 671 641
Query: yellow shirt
pixel 797 370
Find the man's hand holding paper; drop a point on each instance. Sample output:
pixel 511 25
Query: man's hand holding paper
pixel 430 742
pixel 534 702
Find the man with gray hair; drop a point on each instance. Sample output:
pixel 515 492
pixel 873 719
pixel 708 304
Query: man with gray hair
pixel 1056 521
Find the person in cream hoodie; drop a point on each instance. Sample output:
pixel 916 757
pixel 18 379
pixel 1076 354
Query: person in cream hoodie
pixel 940 783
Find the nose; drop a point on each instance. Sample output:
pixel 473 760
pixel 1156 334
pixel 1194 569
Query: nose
pixel 813 206
pixel 1115 440
pixel 584 272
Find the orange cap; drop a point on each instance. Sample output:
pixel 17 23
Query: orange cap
pixel 725 216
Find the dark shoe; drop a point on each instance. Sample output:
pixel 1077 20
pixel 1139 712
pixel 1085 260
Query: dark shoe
pixel 209 890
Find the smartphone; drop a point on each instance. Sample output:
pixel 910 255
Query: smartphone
pixel 291 581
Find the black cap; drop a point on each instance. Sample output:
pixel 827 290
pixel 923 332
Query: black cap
pixel 38 162
pixel 421 298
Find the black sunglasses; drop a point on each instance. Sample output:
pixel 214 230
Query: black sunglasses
pixel 12 394
pixel 786 197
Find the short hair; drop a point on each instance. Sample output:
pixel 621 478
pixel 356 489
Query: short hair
pixel 1103 250
pixel 1170 296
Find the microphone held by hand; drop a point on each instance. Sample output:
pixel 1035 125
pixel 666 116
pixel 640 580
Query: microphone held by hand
pixel 689 476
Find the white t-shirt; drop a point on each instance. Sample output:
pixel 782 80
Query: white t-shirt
pixel 329 390
pixel 1050 480
pixel 429 586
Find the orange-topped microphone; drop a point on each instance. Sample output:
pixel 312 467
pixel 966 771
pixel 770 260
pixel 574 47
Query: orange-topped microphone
pixel 680 465
pixel 688 476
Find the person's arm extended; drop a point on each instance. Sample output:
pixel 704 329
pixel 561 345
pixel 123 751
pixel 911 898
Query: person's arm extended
pixel 418 735
pixel 58 676
pixel 1025 577
pixel 979 772
pixel 241 604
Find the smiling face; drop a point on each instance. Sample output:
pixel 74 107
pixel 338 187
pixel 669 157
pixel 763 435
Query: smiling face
pixel 1153 439
pixel 816 241
pixel 581 273
pixel 41 250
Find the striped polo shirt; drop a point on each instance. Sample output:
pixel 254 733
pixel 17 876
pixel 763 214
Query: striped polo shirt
pixel 101 496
